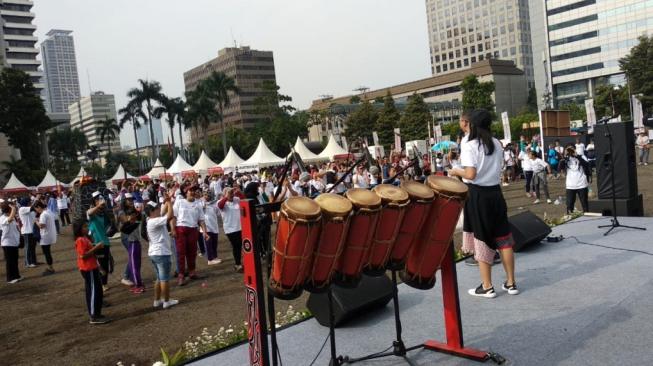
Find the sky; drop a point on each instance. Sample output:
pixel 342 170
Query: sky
pixel 320 46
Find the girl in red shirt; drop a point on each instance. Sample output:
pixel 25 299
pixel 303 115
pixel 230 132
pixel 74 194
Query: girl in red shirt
pixel 88 267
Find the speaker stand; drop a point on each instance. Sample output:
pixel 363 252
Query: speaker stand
pixel 615 221
pixel 335 359
pixel 398 347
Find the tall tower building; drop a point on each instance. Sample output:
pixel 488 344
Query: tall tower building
pixel 86 114
pixel 19 39
pixel 249 68
pixel 60 66
pixel 583 42
pixel 462 32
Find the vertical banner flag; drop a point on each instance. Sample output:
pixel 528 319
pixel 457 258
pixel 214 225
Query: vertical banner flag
pixel 438 133
pixel 591 115
pixel 638 115
pixel 343 139
pixel 506 126
pixel 375 138
pixel 397 140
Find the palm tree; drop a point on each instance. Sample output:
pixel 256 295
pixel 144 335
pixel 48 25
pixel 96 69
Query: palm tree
pixel 175 108
pixel 201 109
pixel 107 130
pixel 148 93
pixel 132 113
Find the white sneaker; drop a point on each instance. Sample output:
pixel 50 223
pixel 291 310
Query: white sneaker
pixel 15 280
pixel 548 200
pixel 528 195
pixel 505 184
pixel 126 282
pixel 481 292
pixel 512 289
pixel 170 303
pixel 157 303
pixel 215 261
pixel 536 201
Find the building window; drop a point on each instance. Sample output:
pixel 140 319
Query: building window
pixel 575 70
pixel 438 69
pixel 565 56
pixel 574 38
pixel 571 6
pixel 444 67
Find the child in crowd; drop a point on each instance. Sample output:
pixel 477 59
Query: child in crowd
pixel 540 169
pixel 527 168
pixel 577 181
pixel 132 229
pixel 88 267
pixel 211 222
pixel 160 250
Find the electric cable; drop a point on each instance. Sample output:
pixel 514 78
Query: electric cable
pixel 320 351
pixel 578 241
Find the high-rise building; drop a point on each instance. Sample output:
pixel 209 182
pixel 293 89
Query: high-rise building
pixel 583 42
pixel 60 67
pixel 462 32
pixel 86 114
pixel 19 39
pixel 249 68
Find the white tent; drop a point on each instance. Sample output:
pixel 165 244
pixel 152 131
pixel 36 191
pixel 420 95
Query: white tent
pixel 262 158
pixel 120 175
pixel 49 181
pixel 82 173
pixel 157 170
pixel 204 163
pixel 306 154
pixel 230 161
pixel 14 185
pixel 332 149
pixel 180 165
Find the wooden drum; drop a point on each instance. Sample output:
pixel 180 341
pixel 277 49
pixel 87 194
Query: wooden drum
pixel 421 198
pixel 366 208
pixel 394 201
pixel 298 230
pixel 426 255
pixel 336 211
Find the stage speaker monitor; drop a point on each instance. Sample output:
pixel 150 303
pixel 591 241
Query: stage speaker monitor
pixel 625 206
pixel 527 229
pixel 625 166
pixel 372 293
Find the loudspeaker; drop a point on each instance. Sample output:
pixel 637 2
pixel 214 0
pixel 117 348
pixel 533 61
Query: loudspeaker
pixel 633 206
pixel 625 167
pixel 527 229
pixel 348 303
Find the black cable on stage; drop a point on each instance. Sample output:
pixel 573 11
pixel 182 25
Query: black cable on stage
pixel 609 247
pixel 279 353
pixel 320 351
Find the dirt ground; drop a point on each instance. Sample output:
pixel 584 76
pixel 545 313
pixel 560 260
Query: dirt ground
pixel 43 320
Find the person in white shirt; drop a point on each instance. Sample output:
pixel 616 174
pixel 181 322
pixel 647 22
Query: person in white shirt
pixel 509 161
pixel 576 182
pixel 188 217
pixel 229 206
pixel 485 222
pixel 160 250
pixel 27 218
pixel 48 232
pixel 580 147
pixel 527 168
pixel 62 203
pixel 10 240
pixel 301 185
pixel 211 221
pixel 216 186
pixel 361 178
pixel 643 145
pixel 540 169
pixel 316 184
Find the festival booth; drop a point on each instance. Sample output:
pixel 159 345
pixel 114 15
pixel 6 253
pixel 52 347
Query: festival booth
pixel 120 176
pixel 307 155
pixel 49 182
pixel 262 157
pixel 159 171
pixel 180 168
pixel 80 175
pixel 231 161
pixel 204 164
pixel 14 186
pixel 332 149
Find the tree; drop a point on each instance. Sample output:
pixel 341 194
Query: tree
pixel 22 115
pixel 133 113
pixel 361 122
pixel 219 87
pixel 477 95
pixel 638 66
pixel 354 99
pixel 380 99
pixel 576 111
pixel 201 110
pixel 387 121
pixel 148 93
pixel 107 130
pixel 531 102
pixel 517 122
pixel 175 109
pixel 414 121
pixel 609 99
pixel 269 103
pixel 24 173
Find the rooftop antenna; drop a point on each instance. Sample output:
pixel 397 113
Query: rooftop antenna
pixel 362 90
pixel 88 78
pixel 231 31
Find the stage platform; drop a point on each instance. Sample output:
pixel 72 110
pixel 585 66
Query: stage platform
pixel 580 305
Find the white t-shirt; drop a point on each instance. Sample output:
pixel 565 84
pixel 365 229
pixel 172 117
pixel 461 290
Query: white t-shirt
pixel 576 178
pixel 488 167
pixel 297 187
pixel 211 218
pixel 188 214
pixel 580 149
pixel 526 164
pixel 27 218
pixel 216 187
pixel 157 232
pixel 10 235
pixel 231 216
pixel 62 202
pixel 538 165
pixel 509 157
pixel 361 180
pixel 49 232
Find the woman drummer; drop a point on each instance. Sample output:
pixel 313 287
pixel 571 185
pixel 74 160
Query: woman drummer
pixel 485 227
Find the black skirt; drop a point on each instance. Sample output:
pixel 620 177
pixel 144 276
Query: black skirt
pixel 486 215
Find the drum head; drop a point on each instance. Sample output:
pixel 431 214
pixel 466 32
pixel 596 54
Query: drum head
pixel 391 194
pixel 334 205
pixel 418 191
pixel 363 198
pixel 447 185
pixel 301 208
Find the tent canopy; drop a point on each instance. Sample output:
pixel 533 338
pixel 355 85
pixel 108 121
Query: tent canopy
pixel 49 181
pixel 232 160
pixel 262 157
pixel 180 165
pixel 14 185
pixel 332 149
pixel 304 153
pixel 82 173
pixel 120 175
pixel 157 170
pixel 204 163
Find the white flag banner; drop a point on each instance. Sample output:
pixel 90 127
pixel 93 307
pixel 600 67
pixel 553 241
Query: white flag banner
pixel 397 140
pixel 638 114
pixel 591 115
pixel 506 126
pixel 438 133
pixel 343 139
pixel 375 138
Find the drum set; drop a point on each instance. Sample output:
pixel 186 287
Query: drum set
pixel 335 239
